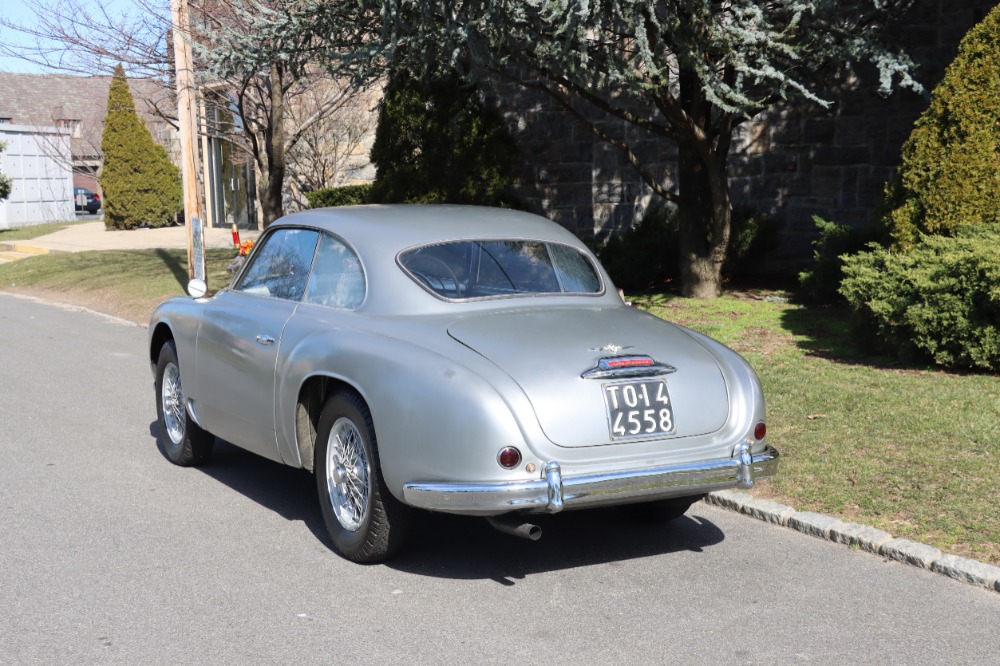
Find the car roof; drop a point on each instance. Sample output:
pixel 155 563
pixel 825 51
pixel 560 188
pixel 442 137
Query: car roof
pixel 399 226
pixel 378 233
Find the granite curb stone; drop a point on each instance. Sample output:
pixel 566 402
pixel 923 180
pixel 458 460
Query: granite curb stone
pixel 873 540
pixel 768 511
pixel 968 571
pixel 910 552
pixel 813 524
pixel 855 534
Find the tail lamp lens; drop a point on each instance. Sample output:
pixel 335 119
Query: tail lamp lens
pixel 760 431
pixel 509 457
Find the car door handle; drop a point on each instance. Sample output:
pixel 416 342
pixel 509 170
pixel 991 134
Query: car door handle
pixel 265 339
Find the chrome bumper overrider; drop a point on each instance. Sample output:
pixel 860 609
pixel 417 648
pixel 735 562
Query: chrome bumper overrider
pixel 555 491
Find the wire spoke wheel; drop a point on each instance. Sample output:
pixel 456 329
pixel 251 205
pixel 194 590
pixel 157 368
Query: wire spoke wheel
pixel 348 474
pixel 365 522
pixel 180 438
pixel 172 400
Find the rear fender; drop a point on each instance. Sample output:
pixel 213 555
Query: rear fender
pixel 434 417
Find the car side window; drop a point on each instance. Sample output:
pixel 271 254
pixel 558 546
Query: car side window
pixel 337 279
pixel 280 267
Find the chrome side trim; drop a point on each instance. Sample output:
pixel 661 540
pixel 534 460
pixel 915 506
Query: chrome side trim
pixel 555 491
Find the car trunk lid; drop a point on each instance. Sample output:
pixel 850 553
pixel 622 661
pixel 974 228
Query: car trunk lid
pixel 549 353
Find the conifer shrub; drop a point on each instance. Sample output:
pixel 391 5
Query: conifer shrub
pixel 347 195
pixel 820 283
pixel 939 300
pixel 437 143
pixel 142 187
pixel 950 175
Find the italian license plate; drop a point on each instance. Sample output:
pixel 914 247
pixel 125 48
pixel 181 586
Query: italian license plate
pixel 639 409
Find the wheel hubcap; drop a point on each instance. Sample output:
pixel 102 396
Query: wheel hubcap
pixel 172 401
pixel 348 474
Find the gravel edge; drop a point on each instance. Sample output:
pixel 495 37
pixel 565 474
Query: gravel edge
pixel 866 538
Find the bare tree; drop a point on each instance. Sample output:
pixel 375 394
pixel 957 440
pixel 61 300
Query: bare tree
pixel 333 151
pixel 76 36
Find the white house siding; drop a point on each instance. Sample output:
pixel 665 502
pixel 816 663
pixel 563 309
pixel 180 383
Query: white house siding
pixel 39 162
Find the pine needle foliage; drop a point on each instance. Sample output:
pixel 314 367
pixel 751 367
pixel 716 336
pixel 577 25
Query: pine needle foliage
pixel 142 187
pixel 950 174
pixel 436 143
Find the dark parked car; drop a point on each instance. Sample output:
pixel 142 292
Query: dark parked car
pixel 86 200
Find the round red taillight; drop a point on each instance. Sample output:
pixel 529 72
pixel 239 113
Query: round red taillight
pixel 509 457
pixel 760 431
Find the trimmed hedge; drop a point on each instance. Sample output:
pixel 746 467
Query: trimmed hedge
pixel 348 195
pixel 940 300
pixel 950 175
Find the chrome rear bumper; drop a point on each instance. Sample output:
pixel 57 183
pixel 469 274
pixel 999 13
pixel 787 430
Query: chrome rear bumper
pixel 554 492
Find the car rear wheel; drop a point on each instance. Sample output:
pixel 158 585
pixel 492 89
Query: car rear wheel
pixel 659 511
pixel 181 440
pixel 366 523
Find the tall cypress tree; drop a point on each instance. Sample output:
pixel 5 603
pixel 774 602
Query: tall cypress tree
pixel 142 187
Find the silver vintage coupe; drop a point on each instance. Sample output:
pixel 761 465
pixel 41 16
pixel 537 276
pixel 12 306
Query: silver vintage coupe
pixel 467 360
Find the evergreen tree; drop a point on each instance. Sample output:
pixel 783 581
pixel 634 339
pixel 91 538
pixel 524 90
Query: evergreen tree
pixel 436 143
pixel 142 187
pixel 950 175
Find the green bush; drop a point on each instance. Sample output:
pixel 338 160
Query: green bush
pixel 348 195
pixel 142 187
pixel 751 236
pixel 940 300
pixel 646 256
pixel 820 283
pixel 436 143
pixel 950 175
pixel 6 184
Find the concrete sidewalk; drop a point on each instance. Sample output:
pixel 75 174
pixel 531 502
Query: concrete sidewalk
pixel 93 236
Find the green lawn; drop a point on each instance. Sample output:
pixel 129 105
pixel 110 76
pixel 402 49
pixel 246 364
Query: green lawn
pixel 908 449
pixel 34 231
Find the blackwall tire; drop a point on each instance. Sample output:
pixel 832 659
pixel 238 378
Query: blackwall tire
pixel 181 440
pixel 365 522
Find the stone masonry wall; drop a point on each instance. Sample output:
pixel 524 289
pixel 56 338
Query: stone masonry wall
pixel 791 164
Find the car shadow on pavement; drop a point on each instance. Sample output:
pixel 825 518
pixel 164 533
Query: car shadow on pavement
pixel 468 548
pixel 461 547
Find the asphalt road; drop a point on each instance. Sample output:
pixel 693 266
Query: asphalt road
pixel 109 554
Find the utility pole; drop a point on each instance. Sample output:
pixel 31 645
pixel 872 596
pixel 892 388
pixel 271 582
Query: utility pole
pixel 188 121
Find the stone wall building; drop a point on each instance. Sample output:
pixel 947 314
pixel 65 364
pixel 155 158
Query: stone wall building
pixel 791 163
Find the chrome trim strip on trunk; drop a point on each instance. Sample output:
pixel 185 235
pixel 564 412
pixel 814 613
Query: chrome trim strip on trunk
pixel 556 491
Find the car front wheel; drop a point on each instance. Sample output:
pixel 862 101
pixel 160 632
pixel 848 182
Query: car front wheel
pixel 182 440
pixel 366 523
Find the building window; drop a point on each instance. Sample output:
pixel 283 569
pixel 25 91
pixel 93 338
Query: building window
pixel 5 121
pixel 70 124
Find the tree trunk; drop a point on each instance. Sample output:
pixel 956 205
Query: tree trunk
pixel 270 191
pixel 704 209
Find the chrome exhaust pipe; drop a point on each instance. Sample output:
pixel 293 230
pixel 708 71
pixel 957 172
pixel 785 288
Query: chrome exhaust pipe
pixel 514 526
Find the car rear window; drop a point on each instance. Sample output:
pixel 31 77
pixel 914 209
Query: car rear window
pixel 498 268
